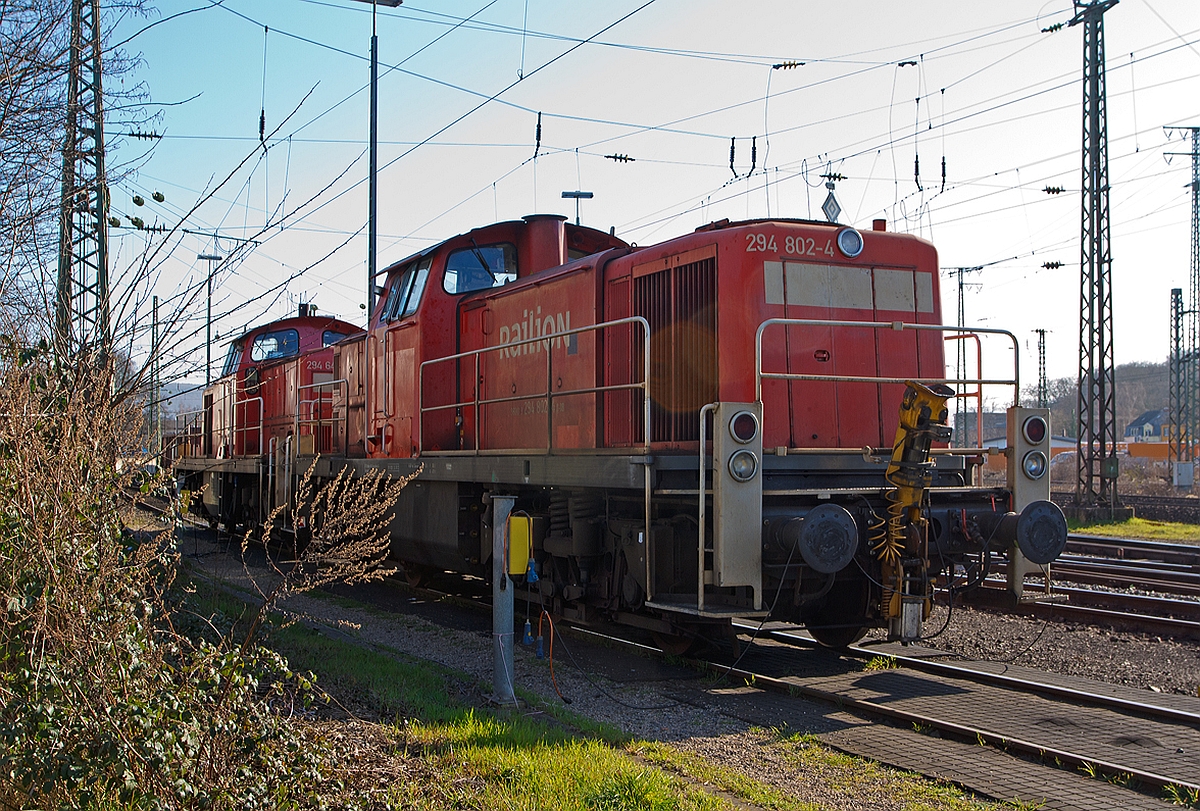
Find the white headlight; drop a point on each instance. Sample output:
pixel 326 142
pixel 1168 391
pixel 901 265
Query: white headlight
pixel 1034 464
pixel 743 465
pixel 850 242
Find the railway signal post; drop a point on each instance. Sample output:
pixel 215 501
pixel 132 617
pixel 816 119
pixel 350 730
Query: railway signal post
pixel 502 603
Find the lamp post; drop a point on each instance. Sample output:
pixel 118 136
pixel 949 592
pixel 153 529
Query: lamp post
pixel 372 207
pixel 577 196
pixel 211 257
pixel 373 150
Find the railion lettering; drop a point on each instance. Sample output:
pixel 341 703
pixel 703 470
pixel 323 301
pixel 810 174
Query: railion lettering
pixel 520 337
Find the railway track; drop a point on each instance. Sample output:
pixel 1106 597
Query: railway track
pixel 1092 582
pixel 1092 727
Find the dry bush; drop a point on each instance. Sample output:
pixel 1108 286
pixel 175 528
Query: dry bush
pixel 104 700
pixel 341 536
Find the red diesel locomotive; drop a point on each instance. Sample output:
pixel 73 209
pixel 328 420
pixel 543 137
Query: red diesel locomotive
pixel 747 420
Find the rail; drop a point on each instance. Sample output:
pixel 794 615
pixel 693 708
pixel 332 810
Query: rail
pixel 898 326
pixel 476 402
pixel 978 393
pixel 705 410
pixel 316 423
pixel 192 440
pixel 245 430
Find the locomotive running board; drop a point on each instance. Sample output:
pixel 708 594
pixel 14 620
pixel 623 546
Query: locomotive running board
pixel 687 605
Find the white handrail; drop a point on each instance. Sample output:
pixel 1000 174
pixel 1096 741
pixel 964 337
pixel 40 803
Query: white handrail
pixel 549 395
pixel 898 326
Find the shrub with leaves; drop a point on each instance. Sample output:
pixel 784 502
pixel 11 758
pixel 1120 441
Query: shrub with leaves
pixel 103 699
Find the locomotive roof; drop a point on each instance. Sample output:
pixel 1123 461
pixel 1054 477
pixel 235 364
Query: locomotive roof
pixel 297 320
pixel 523 221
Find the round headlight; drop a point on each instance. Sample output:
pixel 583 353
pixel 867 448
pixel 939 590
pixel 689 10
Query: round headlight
pixel 1035 430
pixel 1034 464
pixel 744 427
pixel 743 465
pixel 849 242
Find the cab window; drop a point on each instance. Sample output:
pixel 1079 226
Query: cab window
pixel 279 344
pixel 329 337
pixel 479 268
pixel 234 359
pixel 405 293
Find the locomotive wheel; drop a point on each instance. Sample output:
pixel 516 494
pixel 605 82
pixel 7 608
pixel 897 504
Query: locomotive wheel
pixel 840 619
pixel 418 576
pixel 831 637
pixel 677 644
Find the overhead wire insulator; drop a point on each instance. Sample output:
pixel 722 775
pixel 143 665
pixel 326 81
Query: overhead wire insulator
pixel 1054 190
pixel 158 197
pixel 907 63
pixel 138 200
pixel 537 139
pixel 788 65
pixel 114 222
pixel 1052 265
pixel 620 158
pixel 1050 29
pixel 732 152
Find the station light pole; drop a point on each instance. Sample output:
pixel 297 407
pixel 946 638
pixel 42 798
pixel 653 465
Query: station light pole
pixel 372 205
pixel 373 150
pixel 212 258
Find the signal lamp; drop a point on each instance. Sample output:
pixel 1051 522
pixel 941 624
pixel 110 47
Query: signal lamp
pixel 849 242
pixel 1034 430
pixel 743 465
pixel 744 427
pixel 1034 464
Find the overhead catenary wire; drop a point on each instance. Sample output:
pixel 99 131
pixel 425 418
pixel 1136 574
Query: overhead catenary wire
pixel 737 191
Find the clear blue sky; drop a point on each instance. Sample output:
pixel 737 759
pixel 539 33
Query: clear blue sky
pixel 668 83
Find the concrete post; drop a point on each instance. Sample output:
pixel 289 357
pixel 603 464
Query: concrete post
pixel 502 603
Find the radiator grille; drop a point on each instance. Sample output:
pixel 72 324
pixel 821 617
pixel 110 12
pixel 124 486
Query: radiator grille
pixel 680 305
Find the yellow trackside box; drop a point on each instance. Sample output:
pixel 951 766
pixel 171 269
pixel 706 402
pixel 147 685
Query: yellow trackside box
pixel 520 543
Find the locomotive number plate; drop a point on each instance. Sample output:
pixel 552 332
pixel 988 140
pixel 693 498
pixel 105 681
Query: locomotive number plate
pixel 792 246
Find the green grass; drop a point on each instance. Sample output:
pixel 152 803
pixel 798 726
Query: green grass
pixel 1141 528
pixel 498 758
pixel 459 752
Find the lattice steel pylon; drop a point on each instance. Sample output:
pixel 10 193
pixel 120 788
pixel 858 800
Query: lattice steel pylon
pixel 1188 371
pixel 82 306
pixel 1043 389
pixel 1179 448
pixel 1096 459
pixel 1192 356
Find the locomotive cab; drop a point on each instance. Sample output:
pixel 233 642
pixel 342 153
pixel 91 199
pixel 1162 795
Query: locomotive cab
pixel 249 411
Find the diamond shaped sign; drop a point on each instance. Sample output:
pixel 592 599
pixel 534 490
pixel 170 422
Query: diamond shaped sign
pixel 831 208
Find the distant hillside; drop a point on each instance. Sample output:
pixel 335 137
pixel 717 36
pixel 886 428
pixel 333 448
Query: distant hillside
pixel 180 398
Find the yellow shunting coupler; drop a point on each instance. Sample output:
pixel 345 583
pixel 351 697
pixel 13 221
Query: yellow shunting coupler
pixel 902 543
